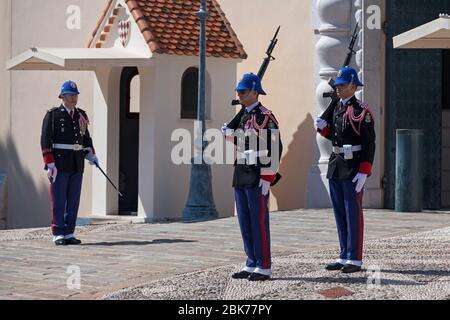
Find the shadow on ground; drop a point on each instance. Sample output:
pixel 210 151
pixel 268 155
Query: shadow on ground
pixel 436 273
pixel 350 280
pixel 137 243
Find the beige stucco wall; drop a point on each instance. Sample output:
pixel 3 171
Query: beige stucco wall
pixel 5 8
pixel 289 82
pixel 39 23
pixel 4 101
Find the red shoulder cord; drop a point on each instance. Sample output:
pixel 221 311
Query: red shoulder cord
pixel 253 124
pixel 349 117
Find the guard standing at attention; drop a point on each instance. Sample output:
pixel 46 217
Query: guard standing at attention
pixel 351 130
pixel 256 170
pixel 65 143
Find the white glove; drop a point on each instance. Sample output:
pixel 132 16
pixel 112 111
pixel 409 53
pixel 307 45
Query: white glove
pixel 361 178
pixel 265 185
pixel 52 172
pixel 92 158
pixel 225 130
pixel 320 123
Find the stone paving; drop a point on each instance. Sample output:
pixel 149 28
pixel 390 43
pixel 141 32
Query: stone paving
pixel 194 260
pixel 412 267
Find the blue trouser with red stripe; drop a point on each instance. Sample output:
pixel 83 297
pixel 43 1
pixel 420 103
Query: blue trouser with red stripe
pixel 347 206
pixel 253 216
pixel 65 199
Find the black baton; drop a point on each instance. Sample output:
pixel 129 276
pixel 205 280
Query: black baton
pixel 96 164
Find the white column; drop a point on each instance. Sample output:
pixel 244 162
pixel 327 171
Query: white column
pixel 105 136
pixel 359 46
pixel 369 60
pixel 333 25
pixel 147 136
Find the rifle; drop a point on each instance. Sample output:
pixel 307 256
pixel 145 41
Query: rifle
pixel 332 94
pixel 233 124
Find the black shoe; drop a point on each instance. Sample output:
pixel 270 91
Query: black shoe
pixel 241 275
pixel 73 241
pixel 60 242
pixel 258 277
pixel 350 268
pixel 334 266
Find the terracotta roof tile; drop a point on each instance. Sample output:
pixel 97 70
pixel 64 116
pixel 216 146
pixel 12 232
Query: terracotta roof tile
pixel 171 27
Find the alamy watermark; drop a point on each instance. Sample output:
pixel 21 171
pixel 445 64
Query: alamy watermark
pixel 373 277
pixel 252 147
pixel 73 282
pixel 373 21
pixel 73 21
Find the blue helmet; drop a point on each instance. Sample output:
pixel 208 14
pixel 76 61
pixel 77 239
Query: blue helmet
pixel 251 82
pixel 69 87
pixel 348 75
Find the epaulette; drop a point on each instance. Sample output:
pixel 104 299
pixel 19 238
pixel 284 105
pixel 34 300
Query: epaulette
pixel 267 116
pixel 365 106
pixel 83 116
pixel 268 113
pixel 52 109
pixel 265 111
pixel 368 113
pixel 82 111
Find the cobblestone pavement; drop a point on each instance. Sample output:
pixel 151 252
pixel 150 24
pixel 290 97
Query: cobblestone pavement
pixel 407 252
pixel 412 267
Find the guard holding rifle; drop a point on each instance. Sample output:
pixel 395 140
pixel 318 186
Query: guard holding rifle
pixel 255 132
pixel 65 143
pixel 350 127
pixel 258 154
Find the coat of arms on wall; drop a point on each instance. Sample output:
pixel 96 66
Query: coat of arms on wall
pixel 124 32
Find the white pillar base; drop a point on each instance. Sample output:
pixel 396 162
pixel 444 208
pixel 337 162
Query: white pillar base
pixel 318 194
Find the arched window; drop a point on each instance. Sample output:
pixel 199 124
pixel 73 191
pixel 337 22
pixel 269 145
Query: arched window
pixel 189 94
pixel 131 87
pixel 135 88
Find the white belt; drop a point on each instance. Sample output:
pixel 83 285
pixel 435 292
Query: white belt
pixel 75 147
pixel 262 153
pixel 341 150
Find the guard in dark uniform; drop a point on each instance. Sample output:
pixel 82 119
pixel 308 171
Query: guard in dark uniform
pixel 65 143
pixel 256 169
pixel 351 131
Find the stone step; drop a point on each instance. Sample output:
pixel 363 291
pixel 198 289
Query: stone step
pixel 96 219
